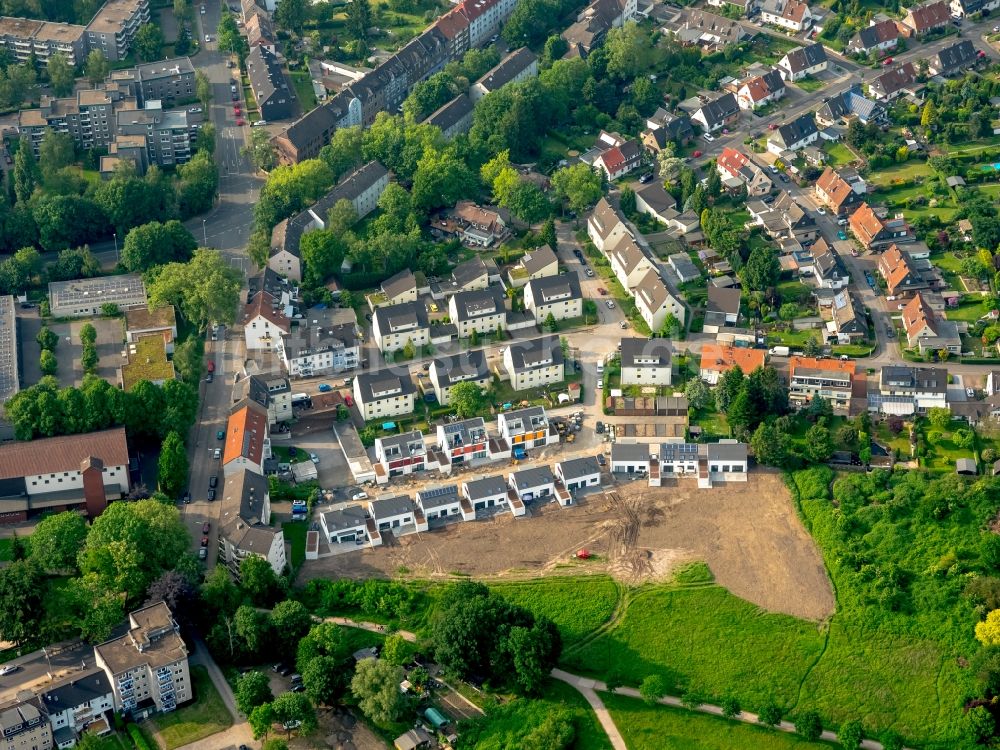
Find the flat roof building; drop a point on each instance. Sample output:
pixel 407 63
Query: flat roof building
pixel 82 298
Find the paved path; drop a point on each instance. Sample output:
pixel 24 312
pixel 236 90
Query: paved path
pixel 374 627
pixel 589 688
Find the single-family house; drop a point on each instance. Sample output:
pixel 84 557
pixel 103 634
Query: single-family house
pixel 926 330
pixel 646 362
pixel 794 135
pixel 735 165
pixel 446 372
pixel 793 15
pixel 716 360
pixel 964 8
pixel 536 264
pixel 653 200
pixel 396 326
pixel 558 296
pixel 477 226
pixel 579 473
pixel 828 270
pixel 535 483
pixel 264 322
pixel 347 525
pixel 880 36
pixel 534 363
pixel 904 390
pixel 848 322
pixel 396 290
pixel 721 309
pixel 758 91
pixel 443 503
pixel 876 233
pixel 717 113
pixel 847 106
pixel 836 193
pixel 247 443
pixel 464 441
pixel 803 61
pixel 384 394
pixel 631 458
pixel 902 278
pixel 896 82
pixel 618 161
pixel 473 274
pixel 954 59
pixel 684 267
pixel 487 492
pixel 397 514
pixel 920 19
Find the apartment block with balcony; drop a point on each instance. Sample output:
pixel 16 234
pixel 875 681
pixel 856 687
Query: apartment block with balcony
pixel 147 666
pixel 831 379
pixel 113 29
pixel 167 132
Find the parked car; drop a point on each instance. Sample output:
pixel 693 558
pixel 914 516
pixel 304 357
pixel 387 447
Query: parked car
pixel 611 304
pixel 783 177
pixel 708 137
pixel 599 428
pixel 359 496
pixel 772 169
pixel 211 496
pixel 887 61
pixel 206 527
pixel 602 291
pixel 590 272
pixel 646 178
pixel 600 384
pixel 325 387
pixel 217 454
pixel 841 235
pixel 204 541
pixel 314 458
pixel 240 122
pixel 623 325
pixel 8 669
pixel 210 377
pixel 213 481
pixel 821 211
pixel 195 110
pixel 220 435
pixel 203 553
pixel 601 461
pixel 970 392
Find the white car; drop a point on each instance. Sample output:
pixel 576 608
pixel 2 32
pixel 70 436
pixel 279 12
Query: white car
pixel 970 392
pixel 821 211
pixel 773 169
pixel 8 669
pixel 600 385
pixel 314 458
pixel 709 137
pixel 359 496
pixel 590 272
pixel 203 10
pixel 195 110
pixel 611 304
pixel 208 38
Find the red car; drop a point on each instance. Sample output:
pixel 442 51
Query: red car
pixel 772 126
pixel 236 108
pixel 696 154
pixel 204 541
pixel 602 291
pixel 887 61
pixel 348 400
pixel 240 122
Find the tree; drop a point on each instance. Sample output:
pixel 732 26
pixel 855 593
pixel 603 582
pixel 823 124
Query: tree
pixel 809 725
pixel 578 185
pixel 979 724
pixel 55 152
pixel 928 116
pixel 819 407
pixel 274 743
pixel 202 89
pixel 199 184
pixel 47 339
pixel 729 387
pixel 466 398
pixel 57 540
pixel 652 688
pixel 698 394
pixel 731 707
pixel 771 446
pixel 261 720
pixel 627 201
pixel 258 580
pixel 295 707
pixel 260 151
pixel 628 50
pixel 148 43
pixel 547 234
pixel 291 14
pixel 61 74
pixel 939 417
pixel 988 631
pixel 441 178
pixel 290 621
pixel 359 19
pixel 204 289
pixel 396 650
pixel 131 544
pixel 176 588
pixel 769 714
pixel 376 686
pixel 48 363
pixel 252 689
pixel 761 269
pixel 671 326
pixel 550 324
pixel 173 465
pixel 21 605
pixel 26 172
pixel 155 244
pixel 534 652
pixel 97 67
pixel 850 735
pixel 324 680
pixel 819 443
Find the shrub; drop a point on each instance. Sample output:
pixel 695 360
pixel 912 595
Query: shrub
pixel 769 714
pixel 730 707
pixel 652 688
pixel 809 725
pixel 138 738
pixel 850 735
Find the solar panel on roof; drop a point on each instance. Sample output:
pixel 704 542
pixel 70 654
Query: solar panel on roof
pixel 438 492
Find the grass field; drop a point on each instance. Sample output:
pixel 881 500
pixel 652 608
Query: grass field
pixel 576 605
pixel 514 724
pixel 906 171
pixel 295 534
pixel 201 718
pixel 705 639
pixel 838 154
pixel 664 728
pixel 302 82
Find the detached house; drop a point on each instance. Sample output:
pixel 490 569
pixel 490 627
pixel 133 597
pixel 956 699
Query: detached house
pixel 850 105
pixel 966 8
pixel 526 428
pixel 901 276
pixel 629 263
pixel 536 483
pixel 446 372
pixel 828 271
pixel 474 274
pixel 921 19
pixel 794 135
pixel 654 301
pixel 793 15
pixel 876 233
pixel 618 161
pixel 482 311
pixel 760 90
pixel 837 194
pixel 803 61
pixel 718 113
pixel 396 290
pixel 953 60
pixel 264 322
pixel 716 360
pixel 737 166
pixel 722 308
pixel 663 127
pixel 558 296
pixel 395 326
pixel 534 363
pixel 848 322
pixel 926 331
pixel 904 390
pixel 653 200
pixel 881 36
pixel 488 492
pixel 646 361
pixel 784 219
pixel 384 394
pixel 895 82
pixel 536 264
pixel 579 473
pixel 605 226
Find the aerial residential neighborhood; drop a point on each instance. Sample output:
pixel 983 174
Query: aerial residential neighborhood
pixel 500 374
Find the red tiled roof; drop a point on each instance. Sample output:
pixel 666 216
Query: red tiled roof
pixel 732 161
pixel 916 315
pixel 724 358
pixel 245 433
pixel 895 267
pixel 613 159
pixel 826 365
pixel 928 16
pixel 263 305
pixel 834 187
pixel 64 453
pixel 865 224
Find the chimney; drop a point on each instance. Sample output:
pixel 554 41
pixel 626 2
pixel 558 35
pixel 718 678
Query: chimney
pixel 94 495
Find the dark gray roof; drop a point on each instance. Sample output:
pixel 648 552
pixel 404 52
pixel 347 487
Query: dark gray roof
pixel 954 58
pixel 537 259
pixel 467 272
pixel 540 352
pixel 727 451
pixel 574 468
pixel 719 109
pixel 390 506
pixel 470 365
pixel 381 381
pixel 508 69
pixel 242 512
pixel 77 691
pixel 351 187
pixel 646 352
pixel 350 517
pixel 403 315
pixel 404 444
pixel 801 127
pixel 452 113
pixel 630 452
pixel 525 479
pixel 656 197
pixel 553 288
pixel 486 487
pixel 465 432
pixel 723 300
pixel 532 416
pixel 266 77
pixel 478 303
pixel 802 58
pixel 922 379
pixel 679 451
pixel 399 284
pixel 436 497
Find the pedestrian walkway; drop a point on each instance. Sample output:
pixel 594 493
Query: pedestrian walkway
pixel 374 627
pixel 589 688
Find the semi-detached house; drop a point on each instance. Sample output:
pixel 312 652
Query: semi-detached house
pixel 735 165
pixel 794 135
pixel 558 296
pixel 605 226
pixel 761 90
pixel 718 113
pixel 836 193
pixel 655 302
pixel 905 390
pixel 443 503
pixel 526 428
pixel 398 455
pixel 489 492
pixel 629 263
pixel 463 441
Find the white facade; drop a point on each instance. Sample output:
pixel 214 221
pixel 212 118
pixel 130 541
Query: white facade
pixel 261 334
pixel 115 481
pixel 543 302
pixel 576 480
pixel 525 378
pixel 386 402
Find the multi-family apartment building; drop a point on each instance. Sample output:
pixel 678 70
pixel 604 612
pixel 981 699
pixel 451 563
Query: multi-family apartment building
pixel 384 393
pixel 558 296
pixel 270 88
pixel 147 666
pixel 832 379
pixel 88 116
pixel 646 362
pixel 905 390
pixel 113 29
pixel 312 350
pixel 164 80
pixel 168 133
pixel 247 443
pixel 245 523
pixel 480 310
pixel 534 363
pixel 272 392
pixel 25 38
pixel 81 703
pixel 446 372
pixel 395 326
pixel 24 724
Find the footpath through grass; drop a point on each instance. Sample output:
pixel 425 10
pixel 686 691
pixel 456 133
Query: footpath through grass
pixel 646 727
pixel 203 717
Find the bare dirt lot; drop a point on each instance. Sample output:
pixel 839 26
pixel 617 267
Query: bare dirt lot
pixel 748 534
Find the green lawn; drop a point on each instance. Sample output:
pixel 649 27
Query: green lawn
pixel 970 309
pixel 810 84
pixel 295 534
pixel 576 605
pixel 205 716
pixel 302 82
pixel 942 449
pixel 838 154
pixel 712 423
pixel 903 172
pixel 514 724
pixel 677 631
pixel 664 728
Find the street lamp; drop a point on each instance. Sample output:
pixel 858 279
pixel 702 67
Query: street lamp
pixel 115 235
pixel 204 232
